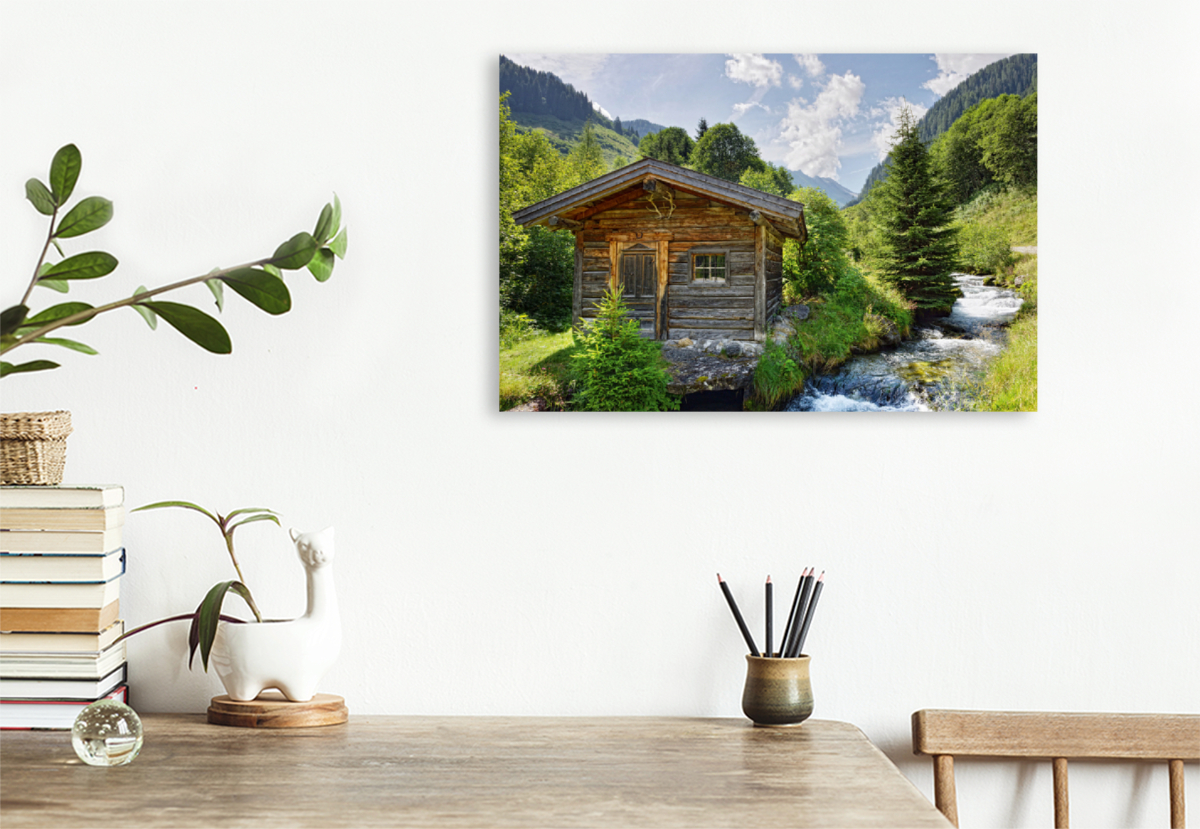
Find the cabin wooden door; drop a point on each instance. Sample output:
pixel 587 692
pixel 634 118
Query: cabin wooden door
pixel 639 278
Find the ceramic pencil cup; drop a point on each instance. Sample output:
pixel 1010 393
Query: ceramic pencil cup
pixel 778 691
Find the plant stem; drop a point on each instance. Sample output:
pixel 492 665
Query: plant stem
pixel 133 300
pixel 178 618
pixel 37 269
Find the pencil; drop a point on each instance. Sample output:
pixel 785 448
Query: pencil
pixel 808 616
pixel 805 587
pixel 791 622
pixel 770 613
pixel 737 615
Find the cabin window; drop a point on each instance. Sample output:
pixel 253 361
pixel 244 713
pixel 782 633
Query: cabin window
pixel 708 268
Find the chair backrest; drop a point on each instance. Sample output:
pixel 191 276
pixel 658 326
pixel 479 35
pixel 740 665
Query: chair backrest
pixel 944 735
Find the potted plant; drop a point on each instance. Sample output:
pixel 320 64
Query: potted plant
pixel 249 657
pixel 33 444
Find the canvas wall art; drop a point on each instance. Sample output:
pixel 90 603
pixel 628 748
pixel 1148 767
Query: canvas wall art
pixel 764 232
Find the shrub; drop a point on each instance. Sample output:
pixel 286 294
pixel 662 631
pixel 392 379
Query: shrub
pixel 515 328
pixel 617 370
pixel 777 377
pixel 983 249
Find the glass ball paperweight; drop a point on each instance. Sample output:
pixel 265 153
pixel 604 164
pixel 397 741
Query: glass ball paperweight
pixel 107 733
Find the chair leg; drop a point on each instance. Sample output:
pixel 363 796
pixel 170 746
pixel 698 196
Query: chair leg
pixel 1062 817
pixel 943 787
pixel 1178 821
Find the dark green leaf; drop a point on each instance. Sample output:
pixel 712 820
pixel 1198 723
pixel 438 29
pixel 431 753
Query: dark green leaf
pixel 64 172
pixel 57 312
pixel 11 318
pixel 194 324
pixel 261 288
pixel 39 195
pixel 295 252
pixel 245 510
pixel 71 344
pixel 37 365
pixel 251 520
pixel 208 615
pixel 322 264
pixel 60 285
pixel 83 266
pixel 91 213
pixel 183 504
pixel 149 316
pixel 218 291
pixel 325 227
pixel 338 245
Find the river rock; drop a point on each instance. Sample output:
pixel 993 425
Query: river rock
pixel 710 365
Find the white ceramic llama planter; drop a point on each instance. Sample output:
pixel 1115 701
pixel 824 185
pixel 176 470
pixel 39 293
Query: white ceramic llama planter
pixel 291 655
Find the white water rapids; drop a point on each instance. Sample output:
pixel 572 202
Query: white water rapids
pixel 924 374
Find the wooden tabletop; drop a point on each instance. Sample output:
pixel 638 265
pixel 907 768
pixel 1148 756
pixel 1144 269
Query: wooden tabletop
pixel 466 771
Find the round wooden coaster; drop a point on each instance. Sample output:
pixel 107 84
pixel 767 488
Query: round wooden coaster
pixel 271 709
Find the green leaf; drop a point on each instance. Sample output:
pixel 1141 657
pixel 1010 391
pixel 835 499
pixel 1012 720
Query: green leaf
pixel 36 365
pixel 182 504
pixel 89 265
pixel 149 316
pixel 218 292
pixel 71 344
pixel 261 288
pixel 91 213
pixel 60 285
pixel 325 227
pixel 322 264
pixel 57 312
pixel 11 319
pixel 251 520
pixel 274 271
pixel 337 214
pixel 194 324
pixel 39 195
pixel 64 172
pixel 295 252
pixel 208 615
pixel 338 245
pixel 245 510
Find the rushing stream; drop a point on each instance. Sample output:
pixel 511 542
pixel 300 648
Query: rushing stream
pixel 928 373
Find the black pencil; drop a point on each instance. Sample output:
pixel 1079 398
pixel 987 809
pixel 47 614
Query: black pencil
pixel 737 615
pixel 789 647
pixel 791 622
pixel 808 616
pixel 770 613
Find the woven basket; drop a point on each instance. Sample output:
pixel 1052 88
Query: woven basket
pixel 33 447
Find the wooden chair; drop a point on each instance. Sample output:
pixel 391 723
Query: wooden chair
pixel 945 735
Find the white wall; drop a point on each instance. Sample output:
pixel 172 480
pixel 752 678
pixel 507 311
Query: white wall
pixel 496 564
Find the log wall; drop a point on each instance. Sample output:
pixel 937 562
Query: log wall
pixel 699 311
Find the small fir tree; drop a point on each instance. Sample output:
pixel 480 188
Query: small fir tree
pixel 618 370
pixel 919 243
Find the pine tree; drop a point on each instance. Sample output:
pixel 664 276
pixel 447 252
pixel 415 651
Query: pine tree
pixel 920 244
pixel 701 128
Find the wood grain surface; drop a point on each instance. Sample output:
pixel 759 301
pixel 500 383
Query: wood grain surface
pixel 466 771
pixel 271 709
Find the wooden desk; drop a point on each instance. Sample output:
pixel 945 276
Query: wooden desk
pixel 466 771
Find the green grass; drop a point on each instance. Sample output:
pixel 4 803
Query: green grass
pixel 563 135
pixel 539 366
pixel 1011 212
pixel 1011 381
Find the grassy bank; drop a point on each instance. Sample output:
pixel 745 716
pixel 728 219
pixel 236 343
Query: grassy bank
pixel 538 366
pixel 1010 384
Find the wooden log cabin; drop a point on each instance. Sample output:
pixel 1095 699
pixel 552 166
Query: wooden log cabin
pixel 697 256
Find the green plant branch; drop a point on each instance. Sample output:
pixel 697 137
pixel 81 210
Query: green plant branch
pixel 37 269
pixel 83 316
pixel 178 618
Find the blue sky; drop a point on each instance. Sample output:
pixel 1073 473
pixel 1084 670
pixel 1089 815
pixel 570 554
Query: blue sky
pixel 824 115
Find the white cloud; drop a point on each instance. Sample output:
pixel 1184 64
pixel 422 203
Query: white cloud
pixel 813 132
pixel 811 64
pixel 576 70
pixel 755 70
pixel 741 109
pixel 601 110
pixel 885 133
pixel 795 81
pixel 954 69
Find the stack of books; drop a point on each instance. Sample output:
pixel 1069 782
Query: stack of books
pixel 61 562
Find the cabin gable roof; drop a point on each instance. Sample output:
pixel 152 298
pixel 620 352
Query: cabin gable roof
pixel 784 215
